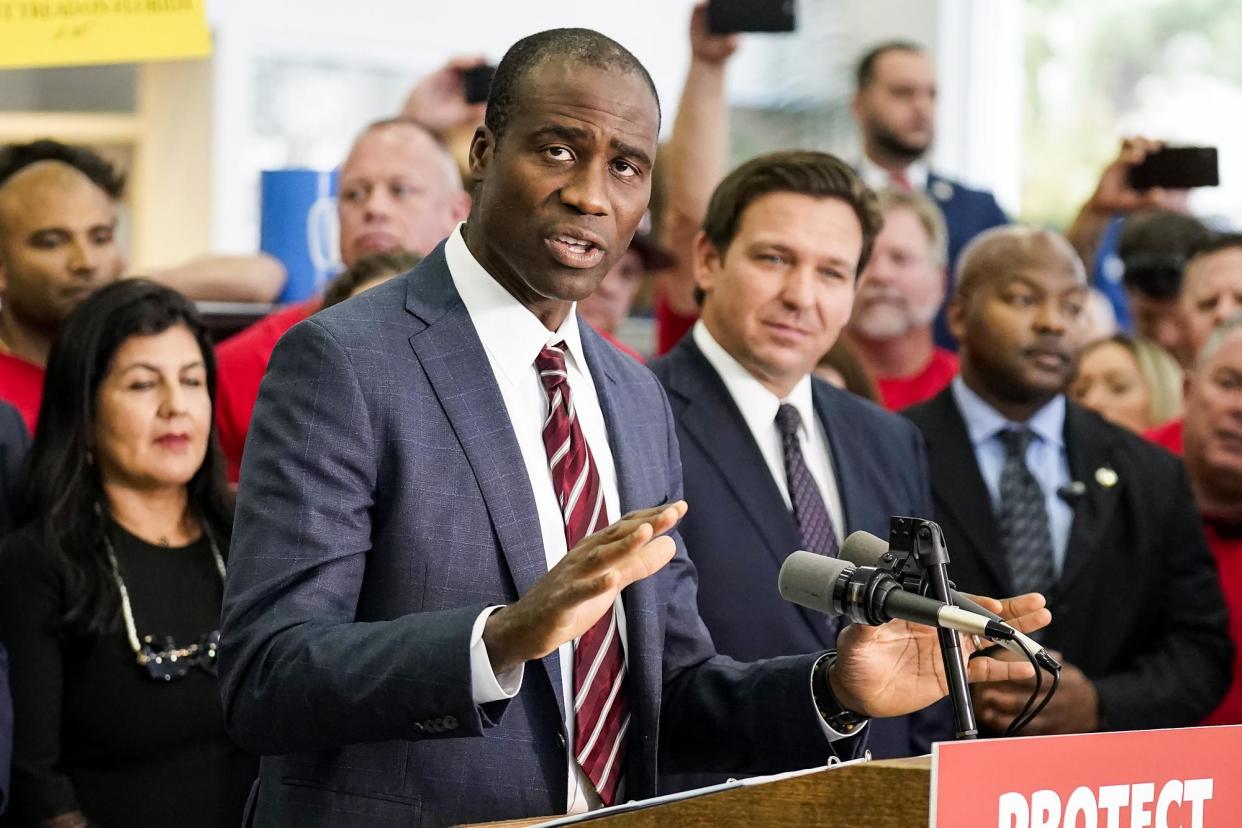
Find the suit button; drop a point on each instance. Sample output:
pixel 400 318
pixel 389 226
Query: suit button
pixel 450 722
pixel 560 740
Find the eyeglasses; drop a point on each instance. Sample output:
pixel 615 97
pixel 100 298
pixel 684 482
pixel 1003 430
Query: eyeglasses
pixel 170 661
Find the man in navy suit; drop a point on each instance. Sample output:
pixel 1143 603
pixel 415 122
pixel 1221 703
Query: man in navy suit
pixel 784 239
pixel 407 603
pixel 895 106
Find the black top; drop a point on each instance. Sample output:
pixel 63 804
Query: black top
pixel 94 732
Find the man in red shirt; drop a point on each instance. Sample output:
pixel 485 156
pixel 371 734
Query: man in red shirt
pixel 899 294
pixel 57 244
pixel 399 190
pixel 1210 439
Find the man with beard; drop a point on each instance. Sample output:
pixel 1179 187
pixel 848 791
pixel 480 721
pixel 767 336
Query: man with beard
pixel 898 296
pixel 1037 493
pixel 59 209
pixel 895 106
pixel 57 244
pixel 1210 439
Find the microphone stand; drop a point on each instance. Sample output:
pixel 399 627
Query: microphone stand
pixel 924 541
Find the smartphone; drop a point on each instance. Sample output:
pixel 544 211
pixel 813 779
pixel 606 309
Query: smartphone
pixel 728 16
pixel 477 82
pixel 1177 168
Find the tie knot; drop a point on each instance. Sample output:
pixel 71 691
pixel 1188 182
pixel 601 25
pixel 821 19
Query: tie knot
pixel 1016 441
pixel 788 420
pixel 551 365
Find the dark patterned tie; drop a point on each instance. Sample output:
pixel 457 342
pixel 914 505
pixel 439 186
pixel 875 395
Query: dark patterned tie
pixel 1025 535
pixel 810 513
pixel 601 698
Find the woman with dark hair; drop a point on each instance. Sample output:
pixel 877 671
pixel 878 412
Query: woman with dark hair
pixel 110 590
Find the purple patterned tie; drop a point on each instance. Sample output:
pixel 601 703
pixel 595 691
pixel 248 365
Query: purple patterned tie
pixel 601 697
pixel 810 513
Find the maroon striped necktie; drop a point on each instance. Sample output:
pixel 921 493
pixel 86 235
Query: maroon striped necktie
pixel 601 698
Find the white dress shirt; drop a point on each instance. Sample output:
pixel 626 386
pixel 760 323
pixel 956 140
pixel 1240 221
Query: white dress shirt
pixel 759 406
pixel 512 337
pixel 878 178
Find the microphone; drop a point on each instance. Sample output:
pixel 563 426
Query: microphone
pixel 867 595
pixel 865 549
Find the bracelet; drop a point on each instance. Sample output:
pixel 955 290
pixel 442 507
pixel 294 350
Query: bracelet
pixel 830 709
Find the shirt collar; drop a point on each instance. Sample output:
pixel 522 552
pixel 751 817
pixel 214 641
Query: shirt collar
pixel 757 404
pixel 876 177
pixel 983 422
pixel 511 334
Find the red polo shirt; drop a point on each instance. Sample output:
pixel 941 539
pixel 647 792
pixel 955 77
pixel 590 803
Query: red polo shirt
pixel 241 361
pixel 903 392
pixel 21 385
pixel 1225 541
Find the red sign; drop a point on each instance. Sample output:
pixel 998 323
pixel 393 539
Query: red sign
pixel 1190 778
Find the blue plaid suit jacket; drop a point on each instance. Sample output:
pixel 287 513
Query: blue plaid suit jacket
pixel 383 504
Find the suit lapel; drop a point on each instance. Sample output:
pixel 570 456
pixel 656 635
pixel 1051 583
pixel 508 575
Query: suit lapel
pixel 848 457
pixel 457 367
pixel 1089 449
pixel 959 488
pixel 712 419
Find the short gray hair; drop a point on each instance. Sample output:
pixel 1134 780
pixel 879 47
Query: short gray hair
pixel 928 215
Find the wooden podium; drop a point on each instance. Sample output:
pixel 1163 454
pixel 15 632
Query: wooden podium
pixel 890 793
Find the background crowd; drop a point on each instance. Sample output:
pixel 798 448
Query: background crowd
pixel 955 365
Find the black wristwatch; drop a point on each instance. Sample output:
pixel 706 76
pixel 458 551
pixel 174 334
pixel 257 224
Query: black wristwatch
pixel 834 714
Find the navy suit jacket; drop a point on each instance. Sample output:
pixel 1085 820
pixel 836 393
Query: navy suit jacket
pixel 967 213
pixel 383 505
pixel 1138 607
pixel 739 530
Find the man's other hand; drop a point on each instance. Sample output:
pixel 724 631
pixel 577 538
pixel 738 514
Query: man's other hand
pixel 896 668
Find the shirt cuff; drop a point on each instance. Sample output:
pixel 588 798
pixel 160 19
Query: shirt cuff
pixel 485 685
pixel 831 733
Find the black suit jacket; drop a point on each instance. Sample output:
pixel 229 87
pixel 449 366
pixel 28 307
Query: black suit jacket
pixel 739 530
pixel 1138 607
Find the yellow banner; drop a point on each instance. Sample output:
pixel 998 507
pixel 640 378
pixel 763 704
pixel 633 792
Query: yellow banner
pixel 78 32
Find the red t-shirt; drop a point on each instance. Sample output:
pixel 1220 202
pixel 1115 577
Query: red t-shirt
pixel 241 361
pixel 1226 545
pixel 671 326
pixel 903 392
pixel 21 385
pixel 1168 435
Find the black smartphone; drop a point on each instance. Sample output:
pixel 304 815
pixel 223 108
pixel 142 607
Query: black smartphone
pixel 1177 168
pixel 477 82
pixel 728 16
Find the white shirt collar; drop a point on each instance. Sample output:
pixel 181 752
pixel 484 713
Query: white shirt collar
pixel 984 423
pixel 757 404
pixel 511 334
pixel 877 178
